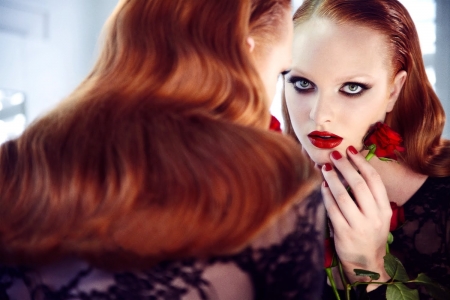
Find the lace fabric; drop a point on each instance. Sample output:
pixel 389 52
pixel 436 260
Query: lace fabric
pixel 285 262
pixel 423 243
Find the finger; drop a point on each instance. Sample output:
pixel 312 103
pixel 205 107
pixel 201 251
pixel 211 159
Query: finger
pixel 371 177
pixel 345 203
pixel 358 185
pixel 333 211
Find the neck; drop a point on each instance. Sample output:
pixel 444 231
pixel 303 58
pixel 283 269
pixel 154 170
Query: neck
pixel 400 181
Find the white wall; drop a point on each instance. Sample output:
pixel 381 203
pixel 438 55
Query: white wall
pixel 48 46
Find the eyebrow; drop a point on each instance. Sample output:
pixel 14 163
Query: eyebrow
pixel 352 77
pixel 298 71
pixel 340 79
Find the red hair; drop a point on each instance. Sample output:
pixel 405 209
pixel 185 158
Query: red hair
pixel 265 23
pixel 418 114
pixel 161 153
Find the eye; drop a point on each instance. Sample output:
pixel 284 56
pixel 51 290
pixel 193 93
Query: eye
pixel 301 84
pixel 353 89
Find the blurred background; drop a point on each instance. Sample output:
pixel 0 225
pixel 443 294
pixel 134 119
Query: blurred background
pixel 47 47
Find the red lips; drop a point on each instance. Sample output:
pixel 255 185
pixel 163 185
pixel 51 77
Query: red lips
pixel 324 139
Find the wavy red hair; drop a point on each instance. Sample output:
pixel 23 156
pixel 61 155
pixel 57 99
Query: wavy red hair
pixel 418 114
pixel 162 152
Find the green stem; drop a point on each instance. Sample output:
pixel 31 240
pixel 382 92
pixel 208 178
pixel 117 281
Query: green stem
pixel 341 272
pixel 369 156
pixel 370 282
pixel 371 153
pixel 348 287
pixel 333 284
pixel 389 241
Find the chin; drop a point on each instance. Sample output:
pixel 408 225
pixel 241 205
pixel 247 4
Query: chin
pixel 320 159
pixel 320 156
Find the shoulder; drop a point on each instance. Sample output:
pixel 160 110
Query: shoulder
pixel 440 182
pixel 435 190
pixel 431 203
pixel 286 261
pixel 73 279
pixel 304 217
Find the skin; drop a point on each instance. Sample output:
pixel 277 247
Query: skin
pixel 345 99
pixel 331 62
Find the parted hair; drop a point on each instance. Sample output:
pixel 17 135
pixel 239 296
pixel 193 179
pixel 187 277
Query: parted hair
pixel 418 115
pixel 162 152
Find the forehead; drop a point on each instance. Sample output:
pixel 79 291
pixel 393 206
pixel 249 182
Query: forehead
pixel 347 47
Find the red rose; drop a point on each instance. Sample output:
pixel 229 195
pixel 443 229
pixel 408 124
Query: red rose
pixel 275 124
pixel 330 253
pixel 398 216
pixel 386 140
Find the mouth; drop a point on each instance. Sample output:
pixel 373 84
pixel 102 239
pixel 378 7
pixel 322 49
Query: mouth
pixel 324 139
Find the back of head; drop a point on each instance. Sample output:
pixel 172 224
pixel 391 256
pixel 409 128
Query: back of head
pixel 187 54
pixel 154 186
pixel 418 114
pixel 160 153
pixel 266 22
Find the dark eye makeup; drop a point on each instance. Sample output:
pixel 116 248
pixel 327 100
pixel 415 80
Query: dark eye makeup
pixel 354 89
pixel 301 85
pixel 348 89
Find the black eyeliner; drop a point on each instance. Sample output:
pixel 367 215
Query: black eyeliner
pixel 294 79
pixel 363 86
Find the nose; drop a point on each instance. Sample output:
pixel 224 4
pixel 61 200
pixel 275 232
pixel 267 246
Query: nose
pixel 321 109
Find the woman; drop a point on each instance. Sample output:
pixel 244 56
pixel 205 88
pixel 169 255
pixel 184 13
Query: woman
pixel 157 177
pixel 357 63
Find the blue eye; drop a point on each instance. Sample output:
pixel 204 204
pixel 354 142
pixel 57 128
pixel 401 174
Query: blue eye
pixel 353 89
pixel 301 84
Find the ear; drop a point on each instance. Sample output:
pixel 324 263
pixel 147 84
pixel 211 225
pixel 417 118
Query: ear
pixel 396 88
pixel 251 44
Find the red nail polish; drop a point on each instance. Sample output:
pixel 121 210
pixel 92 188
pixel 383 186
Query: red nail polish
pixel 328 167
pixel 336 155
pixel 352 150
pixel 325 184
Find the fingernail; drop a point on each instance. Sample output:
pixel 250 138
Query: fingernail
pixel 328 167
pixel 352 150
pixel 325 184
pixel 336 155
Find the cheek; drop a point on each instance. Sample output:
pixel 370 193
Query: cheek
pixel 378 103
pixel 298 108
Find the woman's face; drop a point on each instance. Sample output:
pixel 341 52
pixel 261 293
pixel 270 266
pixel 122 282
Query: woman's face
pixel 340 84
pixel 277 57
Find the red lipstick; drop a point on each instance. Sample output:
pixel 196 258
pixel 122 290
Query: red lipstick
pixel 324 139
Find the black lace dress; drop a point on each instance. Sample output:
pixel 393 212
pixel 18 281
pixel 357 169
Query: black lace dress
pixel 285 262
pixel 423 243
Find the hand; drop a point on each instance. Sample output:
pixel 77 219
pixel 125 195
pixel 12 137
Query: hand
pixel 360 227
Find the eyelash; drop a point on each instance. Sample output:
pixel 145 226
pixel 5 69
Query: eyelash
pixel 293 80
pixel 364 87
